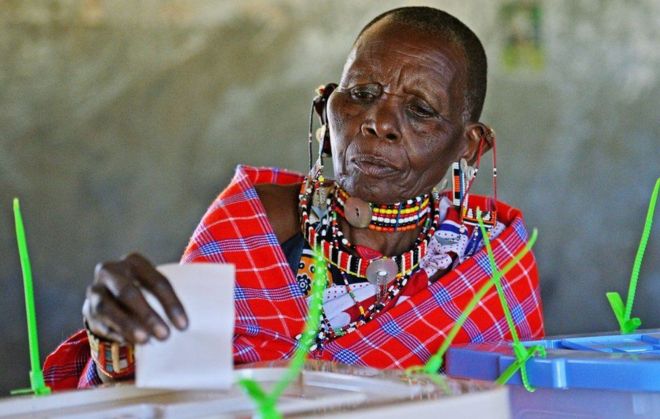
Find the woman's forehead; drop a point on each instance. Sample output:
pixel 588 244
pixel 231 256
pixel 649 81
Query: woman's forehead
pixel 381 56
pixel 391 43
pixel 393 48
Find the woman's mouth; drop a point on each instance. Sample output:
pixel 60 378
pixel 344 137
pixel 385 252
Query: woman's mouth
pixel 373 166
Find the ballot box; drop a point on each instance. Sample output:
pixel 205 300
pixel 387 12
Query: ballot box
pixel 599 376
pixel 322 390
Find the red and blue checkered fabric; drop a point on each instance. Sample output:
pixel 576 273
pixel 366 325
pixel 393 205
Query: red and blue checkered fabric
pixel 271 308
pixel 71 365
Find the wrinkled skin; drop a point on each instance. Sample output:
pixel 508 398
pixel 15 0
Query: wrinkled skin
pixel 397 118
pixel 397 121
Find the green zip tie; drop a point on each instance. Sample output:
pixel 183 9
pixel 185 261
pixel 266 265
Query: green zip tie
pixel 498 284
pixel 435 377
pixel 37 384
pixel 434 363
pixel 522 354
pixel 267 403
pixel 622 313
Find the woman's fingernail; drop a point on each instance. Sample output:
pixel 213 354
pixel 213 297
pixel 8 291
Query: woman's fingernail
pixel 160 331
pixel 181 321
pixel 140 335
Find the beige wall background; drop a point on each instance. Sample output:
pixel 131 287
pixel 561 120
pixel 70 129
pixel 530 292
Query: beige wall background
pixel 120 121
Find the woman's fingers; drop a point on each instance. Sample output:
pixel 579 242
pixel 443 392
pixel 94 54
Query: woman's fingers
pixel 99 328
pixel 107 318
pixel 115 307
pixel 123 286
pixel 160 287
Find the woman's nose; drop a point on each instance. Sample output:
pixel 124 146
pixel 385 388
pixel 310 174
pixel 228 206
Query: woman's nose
pixel 382 122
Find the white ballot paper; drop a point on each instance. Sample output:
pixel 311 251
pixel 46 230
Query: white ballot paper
pixel 201 356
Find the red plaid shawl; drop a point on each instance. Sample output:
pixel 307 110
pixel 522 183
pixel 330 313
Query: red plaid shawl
pixel 271 309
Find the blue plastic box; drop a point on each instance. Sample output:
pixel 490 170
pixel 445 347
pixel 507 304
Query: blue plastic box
pixel 604 376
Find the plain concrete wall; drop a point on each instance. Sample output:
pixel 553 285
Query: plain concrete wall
pixel 120 121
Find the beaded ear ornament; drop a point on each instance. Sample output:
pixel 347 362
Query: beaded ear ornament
pixel 463 176
pixel 315 180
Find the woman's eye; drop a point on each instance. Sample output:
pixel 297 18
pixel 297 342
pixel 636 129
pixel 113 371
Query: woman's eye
pixel 361 94
pixel 365 93
pixel 422 111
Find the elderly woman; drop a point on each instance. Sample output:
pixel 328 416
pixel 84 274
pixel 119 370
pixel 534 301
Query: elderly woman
pixel 403 259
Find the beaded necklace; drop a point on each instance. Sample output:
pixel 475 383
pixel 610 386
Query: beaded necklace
pixel 324 233
pixel 401 216
pixel 336 252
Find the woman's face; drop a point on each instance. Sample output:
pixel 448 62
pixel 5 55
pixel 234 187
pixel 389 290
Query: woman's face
pixel 396 119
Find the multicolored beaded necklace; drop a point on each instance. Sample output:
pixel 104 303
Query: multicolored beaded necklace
pixel 401 216
pixel 338 252
pixel 323 232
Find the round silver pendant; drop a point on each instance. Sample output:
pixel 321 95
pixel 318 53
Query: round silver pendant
pixel 357 212
pixel 381 271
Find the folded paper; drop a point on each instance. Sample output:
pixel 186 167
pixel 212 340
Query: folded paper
pixel 199 357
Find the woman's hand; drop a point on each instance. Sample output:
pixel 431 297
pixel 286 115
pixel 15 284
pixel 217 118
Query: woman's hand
pixel 115 308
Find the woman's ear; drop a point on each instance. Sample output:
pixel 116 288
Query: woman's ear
pixel 480 138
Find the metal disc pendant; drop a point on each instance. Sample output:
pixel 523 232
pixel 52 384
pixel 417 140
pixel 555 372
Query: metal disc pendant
pixel 381 271
pixel 357 212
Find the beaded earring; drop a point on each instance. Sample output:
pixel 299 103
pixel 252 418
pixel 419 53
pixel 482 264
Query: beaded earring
pixel 463 176
pixel 316 179
pixel 319 106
